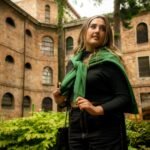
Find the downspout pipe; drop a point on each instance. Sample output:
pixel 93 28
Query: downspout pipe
pixel 24 60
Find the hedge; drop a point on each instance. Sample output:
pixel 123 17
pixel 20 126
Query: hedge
pixel 38 132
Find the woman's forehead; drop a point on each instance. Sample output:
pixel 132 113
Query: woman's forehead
pixel 97 20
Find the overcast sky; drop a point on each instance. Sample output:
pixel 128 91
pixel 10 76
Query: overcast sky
pixel 88 9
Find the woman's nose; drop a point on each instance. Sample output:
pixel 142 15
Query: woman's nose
pixel 97 29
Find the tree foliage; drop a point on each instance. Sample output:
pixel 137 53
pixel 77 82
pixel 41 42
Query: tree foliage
pixel 61 4
pixel 130 8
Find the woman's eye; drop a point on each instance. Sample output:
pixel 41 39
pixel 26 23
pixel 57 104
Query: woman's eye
pixel 93 26
pixel 102 28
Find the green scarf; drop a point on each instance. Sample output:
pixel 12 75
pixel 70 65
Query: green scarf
pixel 76 78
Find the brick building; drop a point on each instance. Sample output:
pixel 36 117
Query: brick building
pixel 29 55
pixel 135 45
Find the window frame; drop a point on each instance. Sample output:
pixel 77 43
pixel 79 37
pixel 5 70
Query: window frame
pixel 141 34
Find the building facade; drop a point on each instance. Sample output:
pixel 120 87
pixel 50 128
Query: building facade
pixel 135 45
pixel 29 55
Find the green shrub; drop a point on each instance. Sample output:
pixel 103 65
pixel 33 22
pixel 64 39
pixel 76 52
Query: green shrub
pixel 39 132
pixel 32 133
pixel 138 134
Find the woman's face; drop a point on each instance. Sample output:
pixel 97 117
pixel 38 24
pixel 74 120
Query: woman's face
pixel 95 34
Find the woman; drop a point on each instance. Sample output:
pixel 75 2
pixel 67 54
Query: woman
pixel 98 89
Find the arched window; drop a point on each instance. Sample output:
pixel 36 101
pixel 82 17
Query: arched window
pixel 47 104
pixel 28 33
pixel 27 102
pixel 142 33
pixel 47 46
pixel 10 21
pixel 9 59
pixel 8 101
pixel 69 44
pixel 47 14
pixel 28 66
pixel 47 76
